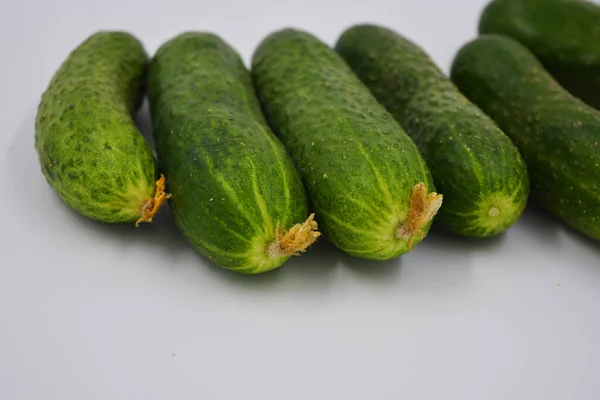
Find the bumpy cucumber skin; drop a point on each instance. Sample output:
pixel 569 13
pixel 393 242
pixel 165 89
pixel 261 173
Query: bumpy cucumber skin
pixel 357 163
pixel 557 134
pixel 473 163
pixel 563 34
pixel 230 178
pixel 89 148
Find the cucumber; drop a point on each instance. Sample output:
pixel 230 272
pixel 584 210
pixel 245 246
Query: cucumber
pixel 475 165
pixel 364 176
pixel 557 134
pixel 236 196
pixel 89 148
pixel 563 34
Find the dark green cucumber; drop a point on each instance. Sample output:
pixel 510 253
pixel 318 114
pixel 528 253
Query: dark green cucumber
pixel 236 195
pixel 365 177
pixel 89 148
pixel 563 34
pixel 476 166
pixel 557 134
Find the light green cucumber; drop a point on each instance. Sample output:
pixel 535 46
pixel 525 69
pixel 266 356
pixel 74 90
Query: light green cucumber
pixel 89 148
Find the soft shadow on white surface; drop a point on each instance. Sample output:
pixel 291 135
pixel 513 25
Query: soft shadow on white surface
pixel 447 241
pixel 549 227
pixel 144 122
pixel 373 270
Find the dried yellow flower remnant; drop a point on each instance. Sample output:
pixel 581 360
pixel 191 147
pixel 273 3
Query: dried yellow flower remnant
pixel 151 206
pixel 296 240
pixel 423 207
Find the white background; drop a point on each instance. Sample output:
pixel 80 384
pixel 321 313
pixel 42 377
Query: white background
pixel 92 311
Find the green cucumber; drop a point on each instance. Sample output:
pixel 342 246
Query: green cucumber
pixel 236 196
pixel 557 134
pixel 364 176
pixel 563 34
pixel 89 148
pixel 475 165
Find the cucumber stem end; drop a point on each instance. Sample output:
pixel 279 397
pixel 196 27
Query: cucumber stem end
pixel 296 240
pixel 151 206
pixel 422 209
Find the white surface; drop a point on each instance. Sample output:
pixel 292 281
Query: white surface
pixel 90 311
